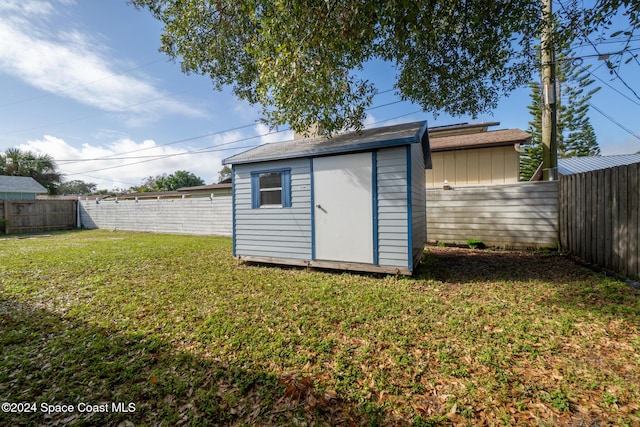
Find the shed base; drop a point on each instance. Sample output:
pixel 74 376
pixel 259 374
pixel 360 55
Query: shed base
pixel 333 265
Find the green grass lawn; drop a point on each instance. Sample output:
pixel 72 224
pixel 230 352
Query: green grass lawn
pixel 175 326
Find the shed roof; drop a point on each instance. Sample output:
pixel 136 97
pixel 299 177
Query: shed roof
pixel 20 184
pixel 364 140
pixel 573 165
pixel 495 138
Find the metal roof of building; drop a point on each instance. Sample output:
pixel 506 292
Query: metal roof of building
pixel 20 184
pixel 364 140
pixel 575 165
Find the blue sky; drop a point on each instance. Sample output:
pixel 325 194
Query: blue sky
pixel 84 81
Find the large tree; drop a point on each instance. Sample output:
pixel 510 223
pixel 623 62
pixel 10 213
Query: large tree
pixel 171 182
pixel 77 187
pixel 300 60
pixel 40 167
pixel 575 134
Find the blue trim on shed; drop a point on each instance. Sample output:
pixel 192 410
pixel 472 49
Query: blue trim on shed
pixel 233 207
pixel 409 211
pixel 374 201
pixel 313 211
pixel 286 188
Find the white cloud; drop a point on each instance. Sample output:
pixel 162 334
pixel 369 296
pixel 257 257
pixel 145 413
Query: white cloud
pixel 129 162
pixel 267 135
pixel 75 65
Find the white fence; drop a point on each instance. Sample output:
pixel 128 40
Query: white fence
pixel 203 215
pixel 515 215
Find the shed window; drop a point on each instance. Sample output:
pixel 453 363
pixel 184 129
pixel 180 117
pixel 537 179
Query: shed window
pixel 271 189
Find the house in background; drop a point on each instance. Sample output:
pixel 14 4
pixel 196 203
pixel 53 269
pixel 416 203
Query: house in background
pixel 352 202
pixel 19 188
pixel 220 189
pixel 470 154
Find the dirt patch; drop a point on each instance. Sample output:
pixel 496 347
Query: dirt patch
pixel 454 264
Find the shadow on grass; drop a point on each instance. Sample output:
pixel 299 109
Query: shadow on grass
pixel 572 285
pixel 50 360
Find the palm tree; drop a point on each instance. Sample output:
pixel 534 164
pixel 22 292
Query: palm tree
pixel 40 167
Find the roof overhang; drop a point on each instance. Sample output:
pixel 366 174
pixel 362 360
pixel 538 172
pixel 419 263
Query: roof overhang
pixel 496 138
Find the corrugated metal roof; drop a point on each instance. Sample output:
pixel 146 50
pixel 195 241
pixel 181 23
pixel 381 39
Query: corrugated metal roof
pixel 386 136
pixel 575 165
pixel 20 184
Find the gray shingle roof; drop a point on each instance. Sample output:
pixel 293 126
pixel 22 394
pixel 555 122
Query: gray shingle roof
pixel 366 139
pixel 20 184
pixel 493 138
pixel 575 165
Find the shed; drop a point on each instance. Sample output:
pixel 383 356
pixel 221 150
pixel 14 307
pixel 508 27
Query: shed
pixel 20 188
pixel 355 201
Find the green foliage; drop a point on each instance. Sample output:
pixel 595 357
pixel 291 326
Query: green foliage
pixel 576 137
pixel 476 244
pixel 172 182
pixel 40 167
pixel 224 173
pixel 575 134
pixel 301 60
pixel 77 187
pixel 531 159
pixel 176 180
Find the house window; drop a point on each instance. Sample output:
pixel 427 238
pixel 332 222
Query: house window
pixel 271 188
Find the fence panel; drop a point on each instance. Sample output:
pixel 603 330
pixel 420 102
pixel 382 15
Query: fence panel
pixel 514 215
pixel 603 227
pixel 31 216
pixel 203 215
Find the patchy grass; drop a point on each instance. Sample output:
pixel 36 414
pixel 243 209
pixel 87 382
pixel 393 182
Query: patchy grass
pixel 175 326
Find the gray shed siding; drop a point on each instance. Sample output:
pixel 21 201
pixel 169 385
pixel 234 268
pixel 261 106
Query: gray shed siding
pixel 418 203
pixel 392 207
pixel 273 232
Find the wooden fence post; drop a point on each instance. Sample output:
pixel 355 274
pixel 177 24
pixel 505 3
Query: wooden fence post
pixel 5 216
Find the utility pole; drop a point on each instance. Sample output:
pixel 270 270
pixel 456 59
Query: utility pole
pixel 549 101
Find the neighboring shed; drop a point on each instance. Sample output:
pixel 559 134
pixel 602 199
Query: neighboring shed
pixel 572 165
pixel 469 154
pixel 352 202
pixel 19 188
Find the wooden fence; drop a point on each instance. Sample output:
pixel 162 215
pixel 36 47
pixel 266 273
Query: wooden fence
pixel 521 215
pixel 599 217
pixel 30 216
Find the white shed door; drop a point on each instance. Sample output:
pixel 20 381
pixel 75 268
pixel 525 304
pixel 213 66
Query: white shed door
pixel 343 208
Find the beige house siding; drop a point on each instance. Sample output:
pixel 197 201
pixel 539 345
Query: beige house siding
pixel 480 166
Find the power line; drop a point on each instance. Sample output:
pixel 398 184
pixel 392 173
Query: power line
pixel 209 149
pixel 193 138
pixel 111 156
pixel 216 148
pixel 608 85
pixel 613 69
pixel 614 121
